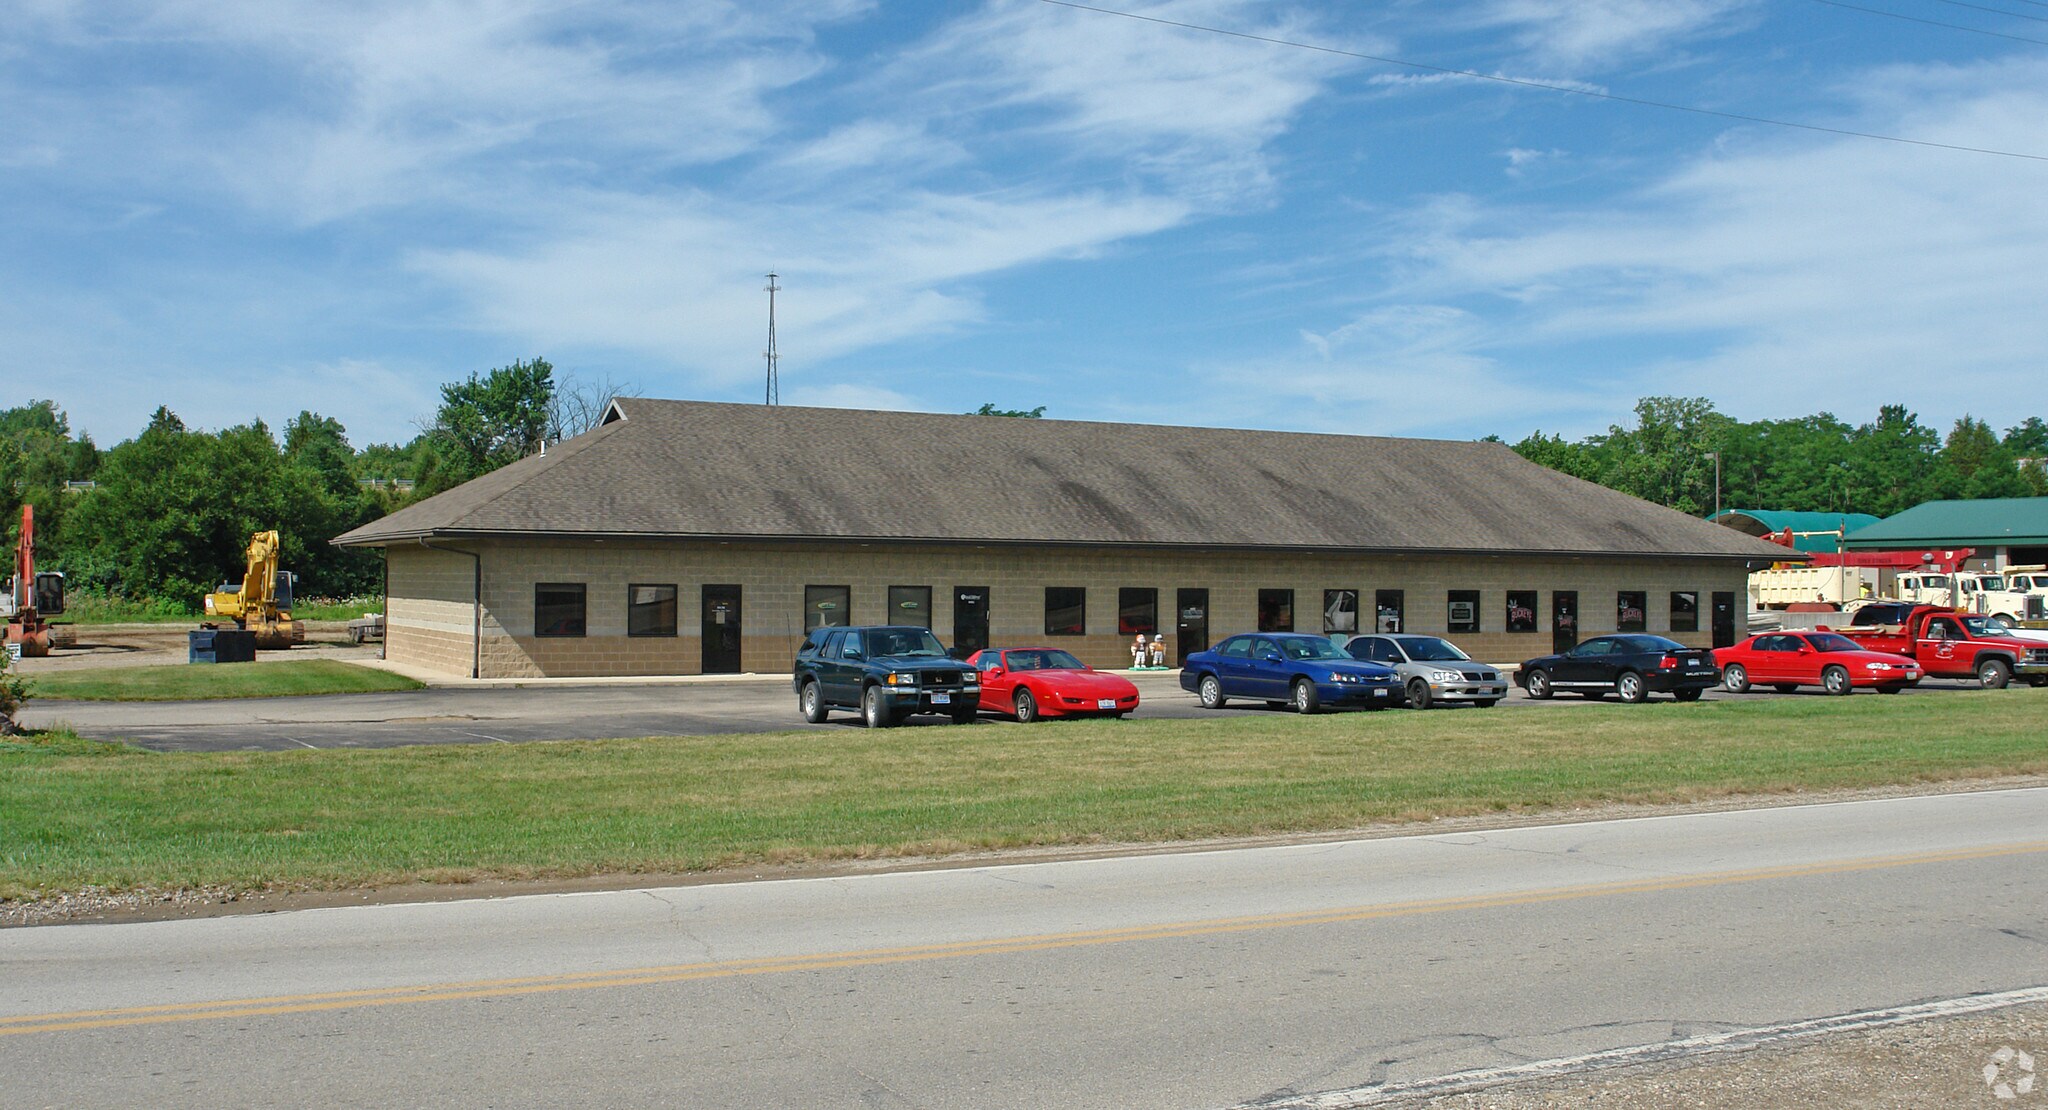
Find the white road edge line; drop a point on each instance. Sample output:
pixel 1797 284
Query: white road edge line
pixel 1734 1040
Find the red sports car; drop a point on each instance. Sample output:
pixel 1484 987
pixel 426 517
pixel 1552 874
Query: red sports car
pixel 1835 663
pixel 1029 683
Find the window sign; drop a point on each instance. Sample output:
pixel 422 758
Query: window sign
pixel 1521 610
pixel 827 606
pixel 1631 611
pixel 1463 614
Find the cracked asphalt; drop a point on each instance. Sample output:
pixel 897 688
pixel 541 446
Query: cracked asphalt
pixel 1196 979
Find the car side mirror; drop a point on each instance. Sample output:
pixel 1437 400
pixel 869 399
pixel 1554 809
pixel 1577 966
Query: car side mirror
pixel 994 672
pixel 1269 657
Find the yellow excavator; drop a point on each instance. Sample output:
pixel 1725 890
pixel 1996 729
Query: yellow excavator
pixel 264 603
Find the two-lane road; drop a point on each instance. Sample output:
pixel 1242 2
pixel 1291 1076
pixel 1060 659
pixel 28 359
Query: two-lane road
pixel 1172 980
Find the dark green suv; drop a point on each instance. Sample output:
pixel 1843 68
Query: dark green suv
pixel 887 672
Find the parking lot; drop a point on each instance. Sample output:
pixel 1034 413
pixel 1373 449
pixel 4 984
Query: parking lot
pixel 513 714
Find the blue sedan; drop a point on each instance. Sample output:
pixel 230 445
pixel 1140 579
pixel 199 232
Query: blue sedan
pixel 1281 668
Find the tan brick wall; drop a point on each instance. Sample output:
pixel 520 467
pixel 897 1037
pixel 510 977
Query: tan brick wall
pixel 431 594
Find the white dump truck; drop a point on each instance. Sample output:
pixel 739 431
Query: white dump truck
pixel 1837 586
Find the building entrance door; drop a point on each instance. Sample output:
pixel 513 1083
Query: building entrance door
pixel 1190 624
pixel 721 629
pixel 1564 620
pixel 1724 620
pixel 970 620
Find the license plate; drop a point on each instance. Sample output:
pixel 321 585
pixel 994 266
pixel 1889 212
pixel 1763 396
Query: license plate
pixel 1105 703
pixel 942 699
pixel 1379 693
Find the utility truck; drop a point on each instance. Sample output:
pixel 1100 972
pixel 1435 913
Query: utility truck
pixel 1951 644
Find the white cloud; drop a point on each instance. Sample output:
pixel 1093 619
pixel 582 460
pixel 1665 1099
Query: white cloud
pixel 1603 32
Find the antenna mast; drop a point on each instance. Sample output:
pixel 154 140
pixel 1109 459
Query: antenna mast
pixel 774 396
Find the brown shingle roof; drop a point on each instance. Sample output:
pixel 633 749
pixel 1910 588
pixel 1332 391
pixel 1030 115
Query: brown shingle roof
pixel 698 469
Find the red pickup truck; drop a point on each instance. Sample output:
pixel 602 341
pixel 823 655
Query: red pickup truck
pixel 1949 644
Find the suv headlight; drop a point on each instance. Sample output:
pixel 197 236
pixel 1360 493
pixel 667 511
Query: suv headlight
pixel 898 678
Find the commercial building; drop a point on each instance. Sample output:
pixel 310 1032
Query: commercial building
pixel 1999 532
pixel 688 537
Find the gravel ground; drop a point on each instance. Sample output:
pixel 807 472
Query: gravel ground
pixel 1935 1063
pixel 148 645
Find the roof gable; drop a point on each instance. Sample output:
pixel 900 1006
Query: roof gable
pixel 701 469
pixel 1991 522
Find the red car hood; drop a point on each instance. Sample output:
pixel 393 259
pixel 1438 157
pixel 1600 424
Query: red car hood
pixel 1082 684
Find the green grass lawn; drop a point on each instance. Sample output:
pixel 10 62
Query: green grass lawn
pixel 218 680
pixel 87 607
pixel 76 814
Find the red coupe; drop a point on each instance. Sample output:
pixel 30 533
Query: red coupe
pixel 1029 683
pixel 1837 664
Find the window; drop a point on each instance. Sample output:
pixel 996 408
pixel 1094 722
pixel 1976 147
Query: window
pixel 1631 611
pixel 558 609
pixel 1685 611
pixel 1388 605
pixel 1521 610
pixel 1066 610
pixel 1237 647
pixel 828 606
pixel 1464 611
pixel 650 610
pixel 1137 611
pixel 1340 612
pixel 910 605
pixel 1276 610
pixel 1383 651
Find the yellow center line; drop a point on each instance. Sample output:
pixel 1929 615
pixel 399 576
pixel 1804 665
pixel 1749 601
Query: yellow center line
pixel 876 957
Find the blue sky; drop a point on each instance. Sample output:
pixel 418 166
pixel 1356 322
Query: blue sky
pixel 244 208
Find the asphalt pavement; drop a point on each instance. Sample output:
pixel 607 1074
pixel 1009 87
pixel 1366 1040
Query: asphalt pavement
pixel 501 714
pixel 1197 979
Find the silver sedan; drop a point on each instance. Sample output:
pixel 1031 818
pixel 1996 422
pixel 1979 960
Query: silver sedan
pixel 1432 669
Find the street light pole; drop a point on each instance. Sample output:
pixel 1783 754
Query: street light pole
pixel 1716 456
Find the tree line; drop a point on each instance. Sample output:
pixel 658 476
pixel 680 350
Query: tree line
pixel 168 513
pixel 166 516
pixel 1817 463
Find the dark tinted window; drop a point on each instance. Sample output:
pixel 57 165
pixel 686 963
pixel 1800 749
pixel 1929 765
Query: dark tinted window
pixel 1599 645
pixel 1463 615
pixel 558 609
pixel 1236 646
pixel 1521 610
pixel 827 606
pixel 910 605
pixel 650 610
pixel 1685 611
pixel 1631 611
pixel 1066 610
pixel 1137 611
pixel 1276 610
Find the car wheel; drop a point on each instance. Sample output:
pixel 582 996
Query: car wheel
pixel 1835 680
pixel 874 709
pixel 1630 687
pixel 1993 674
pixel 1418 694
pixel 1211 692
pixel 1306 700
pixel 1735 677
pixel 1784 687
pixel 813 703
pixel 1026 707
pixel 1692 694
pixel 1539 684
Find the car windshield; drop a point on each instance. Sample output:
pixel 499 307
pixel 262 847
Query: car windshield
pixel 1828 641
pixel 1986 626
pixel 1047 659
pixel 1429 649
pixel 1991 582
pixel 1308 647
pixel 905 642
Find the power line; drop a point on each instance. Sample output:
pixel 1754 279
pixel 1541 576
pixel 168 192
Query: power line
pixel 1528 84
pixel 1998 11
pixel 1931 22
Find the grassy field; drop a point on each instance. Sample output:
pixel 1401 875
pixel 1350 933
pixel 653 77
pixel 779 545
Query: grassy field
pixel 226 680
pixel 76 814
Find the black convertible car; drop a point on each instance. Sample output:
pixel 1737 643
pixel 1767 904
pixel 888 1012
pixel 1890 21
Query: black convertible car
pixel 1628 666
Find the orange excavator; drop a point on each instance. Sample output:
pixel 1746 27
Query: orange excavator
pixel 31 596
